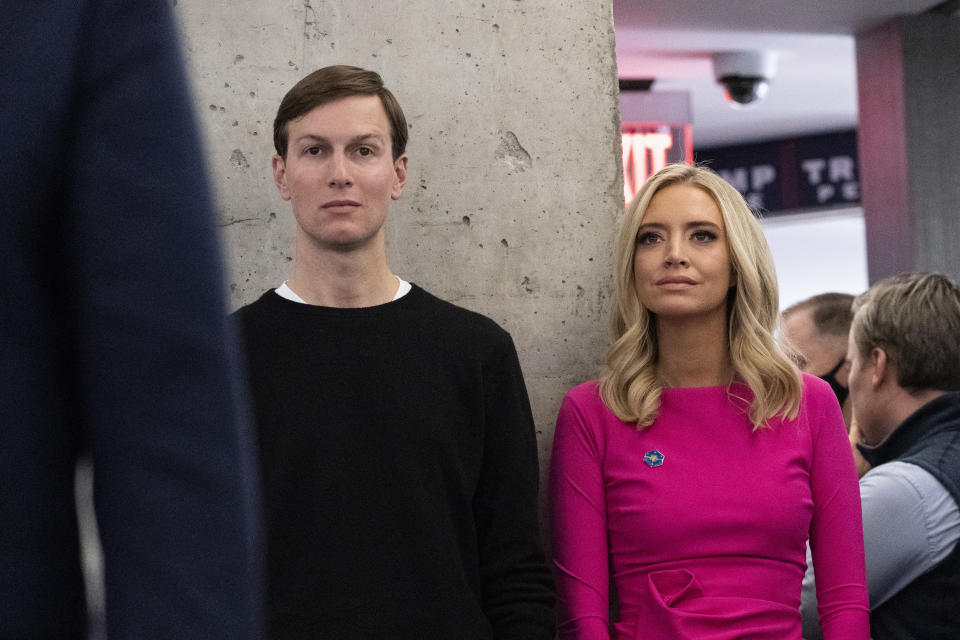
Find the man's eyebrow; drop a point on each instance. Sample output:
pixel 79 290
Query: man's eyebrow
pixel 309 137
pixel 363 137
pixel 367 137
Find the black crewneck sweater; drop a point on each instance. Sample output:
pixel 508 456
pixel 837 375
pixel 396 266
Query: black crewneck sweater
pixel 399 470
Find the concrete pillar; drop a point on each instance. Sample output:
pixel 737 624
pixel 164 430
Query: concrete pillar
pixel 909 139
pixel 515 185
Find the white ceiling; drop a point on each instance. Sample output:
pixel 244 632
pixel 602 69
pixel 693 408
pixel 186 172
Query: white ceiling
pixel 814 90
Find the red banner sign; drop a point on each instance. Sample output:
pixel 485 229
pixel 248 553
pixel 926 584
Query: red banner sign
pixel 648 147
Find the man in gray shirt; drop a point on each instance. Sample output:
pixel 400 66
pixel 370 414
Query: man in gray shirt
pixel 904 354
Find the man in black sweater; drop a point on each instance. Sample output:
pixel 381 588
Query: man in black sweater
pixel 397 445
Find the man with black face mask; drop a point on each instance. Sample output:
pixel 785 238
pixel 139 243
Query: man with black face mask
pixel 818 328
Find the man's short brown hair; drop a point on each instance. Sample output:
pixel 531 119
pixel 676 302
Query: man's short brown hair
pixel 832 312
pixel 333 83
pixel 915 319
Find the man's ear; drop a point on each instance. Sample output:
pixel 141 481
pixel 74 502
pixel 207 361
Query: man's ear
pixel 842 375
pixel 400 176
pixel 280 176
pixel 882 367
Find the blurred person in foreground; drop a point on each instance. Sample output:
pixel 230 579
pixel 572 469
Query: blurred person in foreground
pixel 698 465
pixel 904 353
pixel 113 337
pixel 397 444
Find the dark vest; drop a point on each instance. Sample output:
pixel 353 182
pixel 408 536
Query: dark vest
pixel 929 607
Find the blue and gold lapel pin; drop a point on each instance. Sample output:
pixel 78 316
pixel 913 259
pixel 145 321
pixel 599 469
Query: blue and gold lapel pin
pixel 653 458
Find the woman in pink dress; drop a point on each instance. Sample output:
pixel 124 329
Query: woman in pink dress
pixel 695 469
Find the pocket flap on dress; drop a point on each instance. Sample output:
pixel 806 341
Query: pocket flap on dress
pixel 674 585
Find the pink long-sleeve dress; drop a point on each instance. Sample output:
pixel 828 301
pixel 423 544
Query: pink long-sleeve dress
pixel 703 521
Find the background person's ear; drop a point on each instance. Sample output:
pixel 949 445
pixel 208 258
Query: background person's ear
pixel 881 366
pixel 280 176
pixel 400 172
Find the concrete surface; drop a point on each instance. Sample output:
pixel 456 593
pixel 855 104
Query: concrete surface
pixel 514 187
pixel 909 139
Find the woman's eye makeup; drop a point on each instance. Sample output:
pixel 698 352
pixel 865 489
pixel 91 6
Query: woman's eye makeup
pixel 647 237
pixel 698 235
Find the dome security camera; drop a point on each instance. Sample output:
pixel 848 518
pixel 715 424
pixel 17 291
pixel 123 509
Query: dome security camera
pixel 745 75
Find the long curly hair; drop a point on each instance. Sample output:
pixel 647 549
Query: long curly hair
pixel 629 385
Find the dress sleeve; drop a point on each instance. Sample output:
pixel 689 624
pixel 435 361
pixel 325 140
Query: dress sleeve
pixel 517 589
pixel 836 531
pixel 579 525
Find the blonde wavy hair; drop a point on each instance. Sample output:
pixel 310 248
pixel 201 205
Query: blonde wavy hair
pixel 628 384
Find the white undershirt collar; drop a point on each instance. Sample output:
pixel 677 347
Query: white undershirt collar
pixel 285 291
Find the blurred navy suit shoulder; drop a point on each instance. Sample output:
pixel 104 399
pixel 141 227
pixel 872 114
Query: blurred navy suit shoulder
pixel 113 336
